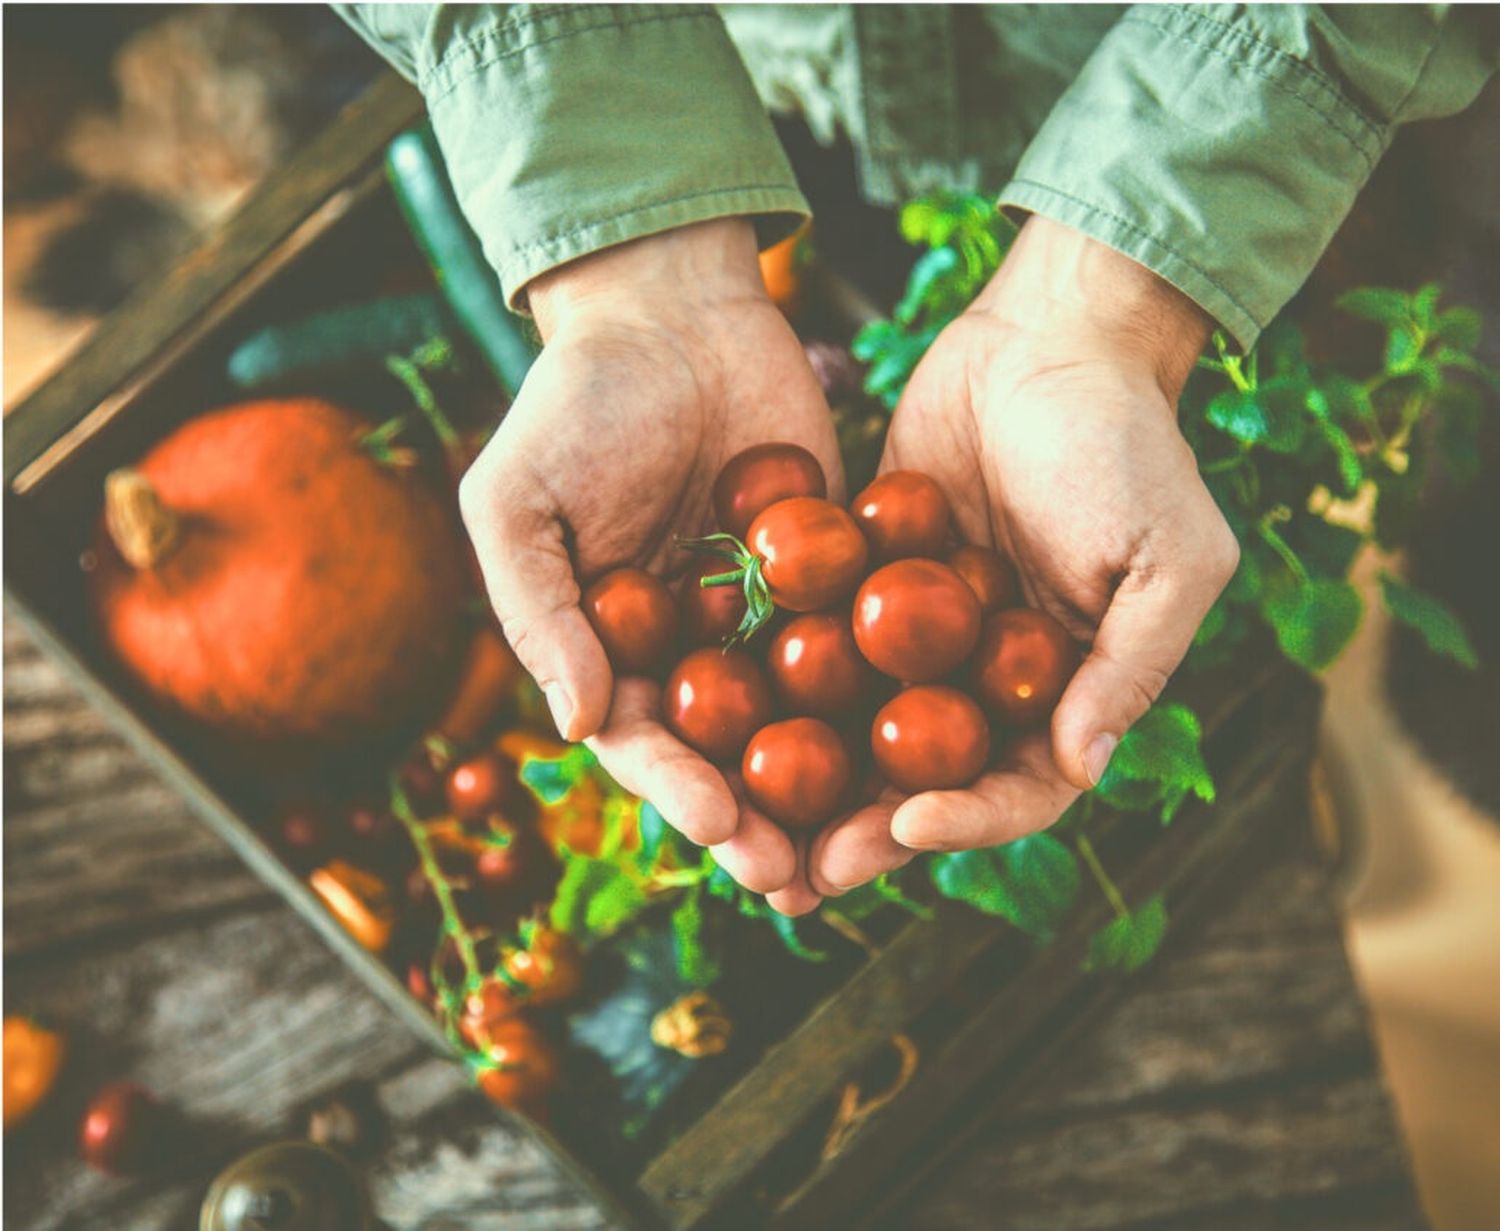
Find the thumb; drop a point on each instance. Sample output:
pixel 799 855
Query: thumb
pixel 518 539
pixel 1143 637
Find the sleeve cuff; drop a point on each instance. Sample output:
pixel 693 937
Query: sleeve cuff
pixel 573 128
pixel 1217 160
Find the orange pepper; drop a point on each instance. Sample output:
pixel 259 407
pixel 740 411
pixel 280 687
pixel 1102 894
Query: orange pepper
pixel 490 674
pixel 33 1059
pixel 781 270
pixel 359 900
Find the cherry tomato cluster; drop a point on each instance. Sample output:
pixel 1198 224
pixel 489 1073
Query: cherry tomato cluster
pixel 495 848
pixel 813 642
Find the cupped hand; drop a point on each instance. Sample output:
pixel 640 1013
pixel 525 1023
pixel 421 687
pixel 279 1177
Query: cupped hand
pixel 663 358
pixel 1047 412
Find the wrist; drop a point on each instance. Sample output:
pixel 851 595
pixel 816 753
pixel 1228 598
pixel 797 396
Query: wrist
pixel 1062 287
pixel 702 264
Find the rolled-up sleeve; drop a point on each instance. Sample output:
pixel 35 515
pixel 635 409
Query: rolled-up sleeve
pixel 570 128
pixel 1222 145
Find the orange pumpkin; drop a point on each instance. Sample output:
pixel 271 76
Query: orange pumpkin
pixel 259 571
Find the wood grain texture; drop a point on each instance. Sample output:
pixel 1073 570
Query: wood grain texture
pixel 166 961
pixel 1234 1086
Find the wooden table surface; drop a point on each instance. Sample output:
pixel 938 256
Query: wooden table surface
pixel 1235 1087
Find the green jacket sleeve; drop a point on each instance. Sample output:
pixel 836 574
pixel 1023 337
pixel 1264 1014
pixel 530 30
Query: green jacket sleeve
pixel 569 128
pixel 1222 145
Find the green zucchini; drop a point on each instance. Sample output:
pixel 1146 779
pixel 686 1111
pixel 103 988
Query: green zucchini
pixel 414 164
pixel 346 336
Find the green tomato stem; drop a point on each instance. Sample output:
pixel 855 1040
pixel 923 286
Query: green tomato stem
pixel 1107 886
pixel 453 924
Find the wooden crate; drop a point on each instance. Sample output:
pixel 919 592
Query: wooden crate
pixel 982 1004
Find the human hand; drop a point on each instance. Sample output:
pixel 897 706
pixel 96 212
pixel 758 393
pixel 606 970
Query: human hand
pixel 1047 412
pixel 664 357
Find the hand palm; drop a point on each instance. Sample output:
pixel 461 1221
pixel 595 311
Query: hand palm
pixel 608 458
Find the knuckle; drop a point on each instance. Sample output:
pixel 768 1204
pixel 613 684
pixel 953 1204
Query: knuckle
pixel 473 497
pixel 1223 552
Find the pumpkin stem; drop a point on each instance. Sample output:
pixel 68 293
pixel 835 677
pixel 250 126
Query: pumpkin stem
pixel 143 529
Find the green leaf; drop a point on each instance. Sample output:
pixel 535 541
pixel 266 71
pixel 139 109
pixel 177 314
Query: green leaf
pixel 653 827
pixel 1378 304
pixel 1266 416
pixel 694 964
pixel 1346 400
pixel 1351 466
pixel 873 338
pixel 595 897
pixel 551 779
pixel 1430 617
pixel 1160 758
pixel 1043 873
pixel 1248 580
pixel 1031 882
pixel 786 928
pixel 972 877
pixel 1314 620
pixel 1460 328
pixel 1424 302
pixel 1128 942
pixel 930 269
pixel 1403 347
pixel 1327 549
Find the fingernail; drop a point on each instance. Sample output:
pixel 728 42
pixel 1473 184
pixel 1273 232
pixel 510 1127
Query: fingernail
pixel 1096 757
pixel 561 707
pixel 901 830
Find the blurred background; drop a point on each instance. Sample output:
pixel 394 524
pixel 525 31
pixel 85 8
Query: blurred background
pixel 130 129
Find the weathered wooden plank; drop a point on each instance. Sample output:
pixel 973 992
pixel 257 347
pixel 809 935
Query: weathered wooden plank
pixel 96 845
pixel 237 1024
pixel 1285 1157
pixel 139 330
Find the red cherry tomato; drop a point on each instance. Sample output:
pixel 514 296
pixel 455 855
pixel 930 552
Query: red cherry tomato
pixel 121 1130
pixel 816 668
pixel 930 738
pixel 708 615
pixel 715 700
pixel 903 513
pixel 757 478
pixel 520 1065
pixel 1024 661
pixel 507 855
pixel 491 1003
pixel 812 553
pixel 989 574
pixel 305 834
pixel 796 771
pixel 548 970
pixel 916 620
pixel 482 784
pixel 635 617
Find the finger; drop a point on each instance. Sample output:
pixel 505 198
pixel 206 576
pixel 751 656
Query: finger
pixel 851 852
pixel 759 856
pixel 1026 793
pixel 518 540
pixel 649 761
pixel 1142 638
pixel 798 897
